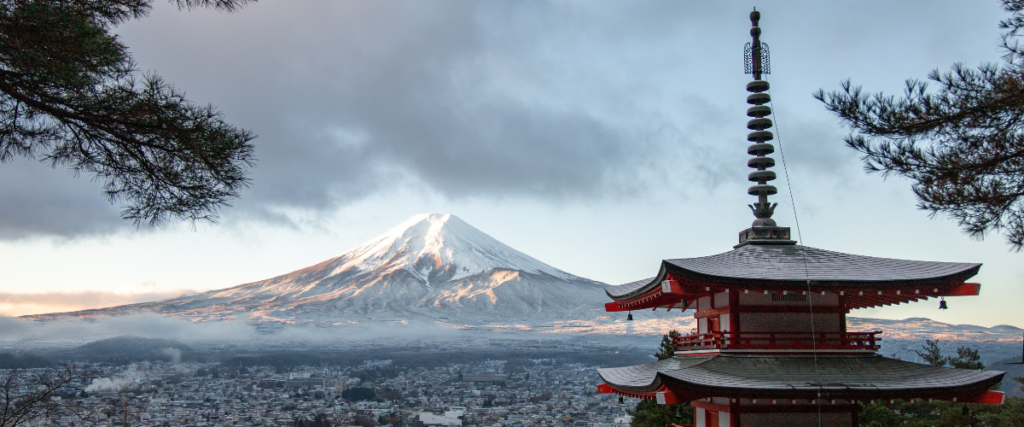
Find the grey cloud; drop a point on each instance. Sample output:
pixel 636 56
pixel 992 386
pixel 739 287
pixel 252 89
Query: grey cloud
pixel 36 199
pixel 555 101
pixel 464 99
pixel 432 99
pixel 815 148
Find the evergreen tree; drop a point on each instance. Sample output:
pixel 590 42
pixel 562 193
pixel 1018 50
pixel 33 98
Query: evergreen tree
pixel 966 358
pixel 649 413
pixel 667 349
pixel 962 146
pixel 70 95
pixel 932 353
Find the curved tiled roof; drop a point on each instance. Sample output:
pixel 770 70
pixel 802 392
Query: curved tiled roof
pixel 850 375
pixel 628 288
pixel 783 264
pixel 645 376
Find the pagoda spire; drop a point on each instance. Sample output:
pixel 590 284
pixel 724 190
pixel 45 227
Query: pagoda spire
pixel 756 62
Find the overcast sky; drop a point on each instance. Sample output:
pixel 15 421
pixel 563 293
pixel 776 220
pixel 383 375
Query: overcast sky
pixel 597 136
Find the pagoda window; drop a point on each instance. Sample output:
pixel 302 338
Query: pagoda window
pixel 790 322
pixel 788 299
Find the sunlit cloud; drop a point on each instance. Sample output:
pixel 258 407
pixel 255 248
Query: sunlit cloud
pixel 25 303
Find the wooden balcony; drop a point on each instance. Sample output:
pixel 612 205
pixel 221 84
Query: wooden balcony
pixel 780 341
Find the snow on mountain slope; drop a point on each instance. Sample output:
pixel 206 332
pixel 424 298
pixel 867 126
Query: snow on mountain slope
pixel 440 245
pixel 432 266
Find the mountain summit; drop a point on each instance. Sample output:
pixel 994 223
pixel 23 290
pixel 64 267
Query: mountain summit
pixel 437 248
pixel 432 266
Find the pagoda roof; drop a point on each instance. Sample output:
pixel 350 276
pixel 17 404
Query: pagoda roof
pixel 836 377
pixel 782 266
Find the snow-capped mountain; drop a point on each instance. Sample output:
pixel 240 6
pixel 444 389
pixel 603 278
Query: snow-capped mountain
pixel 438 248
pixel 432 266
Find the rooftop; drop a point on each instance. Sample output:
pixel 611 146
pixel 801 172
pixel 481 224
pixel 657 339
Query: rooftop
pixel 848 377
pixel 789 265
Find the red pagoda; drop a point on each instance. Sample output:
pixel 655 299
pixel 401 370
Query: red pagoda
pixel 771 347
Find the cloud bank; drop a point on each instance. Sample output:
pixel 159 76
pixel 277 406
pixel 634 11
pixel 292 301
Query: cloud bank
pixel 28 333
pixel 19 303
pixel 551 101
pixel 151 325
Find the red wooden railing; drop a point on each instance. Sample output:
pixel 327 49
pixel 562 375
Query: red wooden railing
pixel 780 341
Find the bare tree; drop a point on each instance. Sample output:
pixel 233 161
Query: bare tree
pixel 26 396
pixel 123 389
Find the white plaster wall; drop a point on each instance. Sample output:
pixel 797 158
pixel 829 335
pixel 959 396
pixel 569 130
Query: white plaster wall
pixel 721 299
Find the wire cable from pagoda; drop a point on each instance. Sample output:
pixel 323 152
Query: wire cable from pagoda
pixel 803 253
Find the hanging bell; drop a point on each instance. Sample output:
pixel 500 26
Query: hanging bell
pixel 620 400
pixel 630 317
pixel 942 304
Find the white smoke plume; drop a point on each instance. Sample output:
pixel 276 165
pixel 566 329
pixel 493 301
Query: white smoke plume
pixel 128 380
pixel 173 353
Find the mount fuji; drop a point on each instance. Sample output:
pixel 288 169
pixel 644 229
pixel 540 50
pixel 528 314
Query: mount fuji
pixel 432 267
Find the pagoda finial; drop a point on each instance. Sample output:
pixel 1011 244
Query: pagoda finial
pixel 756 62
pixel 755 54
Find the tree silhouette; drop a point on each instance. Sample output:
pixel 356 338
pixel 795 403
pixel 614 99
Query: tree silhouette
pixel 24 398
pixel 71 96
pixel 962 146
pixel 667 348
